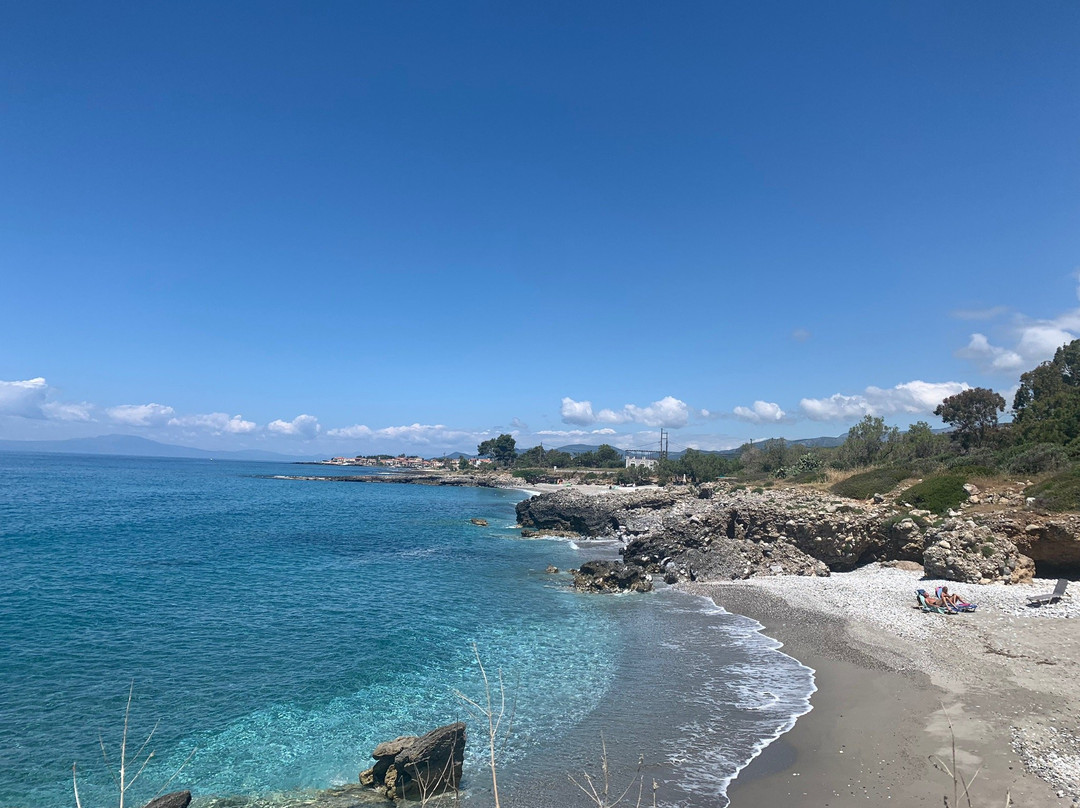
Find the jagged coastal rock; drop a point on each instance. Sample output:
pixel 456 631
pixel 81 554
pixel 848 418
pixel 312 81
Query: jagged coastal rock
pixel 961 550
pixel 418 767
pixel 611 576
pixel 725 531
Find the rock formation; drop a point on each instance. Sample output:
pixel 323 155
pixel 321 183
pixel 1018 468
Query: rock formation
pixel 611 576
pixel 725 531
pixel 412 767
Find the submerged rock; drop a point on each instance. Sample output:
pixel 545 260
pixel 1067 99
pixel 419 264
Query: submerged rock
pixel 177 799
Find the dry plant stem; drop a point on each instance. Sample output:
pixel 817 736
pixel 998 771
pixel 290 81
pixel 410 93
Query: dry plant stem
pixel 493 721
pixel 600 797
pixel 955 773
pixel 122 783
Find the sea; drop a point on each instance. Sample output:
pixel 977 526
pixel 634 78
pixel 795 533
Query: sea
pixel 267 633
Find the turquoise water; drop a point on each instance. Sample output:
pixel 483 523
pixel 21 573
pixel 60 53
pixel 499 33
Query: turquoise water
pixel 282 628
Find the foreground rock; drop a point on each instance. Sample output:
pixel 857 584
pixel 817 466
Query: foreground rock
pixel 611 576
pixel 411 767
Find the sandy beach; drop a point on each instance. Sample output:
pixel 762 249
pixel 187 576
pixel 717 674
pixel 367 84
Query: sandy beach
pixel 890 679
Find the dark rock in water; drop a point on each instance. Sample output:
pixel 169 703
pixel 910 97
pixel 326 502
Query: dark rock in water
pixel 418 767
pixel 551 569
pixel 480 522
pixel 528 534
pixel 177 799
pixel 433 761
pixel 611 576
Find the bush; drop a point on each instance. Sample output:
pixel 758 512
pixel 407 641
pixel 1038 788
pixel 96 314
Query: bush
pixel 1038 459
pixel 937 494
pixel 868 483
pixel 1060 493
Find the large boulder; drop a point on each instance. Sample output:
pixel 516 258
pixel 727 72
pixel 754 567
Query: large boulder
pixel 611 576
pixel 962 550
pixel 412 767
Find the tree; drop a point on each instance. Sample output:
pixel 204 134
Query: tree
pixel 971 414
pixel 608 457
pixel 1047 403
pixel 919 441
pixel 867 441
pixel 501 449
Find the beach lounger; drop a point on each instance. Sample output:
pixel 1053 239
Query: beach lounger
pixel 1059 591
pixel 921 596
pixel 958 606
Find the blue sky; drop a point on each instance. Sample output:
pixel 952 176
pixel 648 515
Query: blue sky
pixel 331 228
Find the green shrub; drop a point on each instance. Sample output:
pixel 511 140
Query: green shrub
pixel 868 483
pixel 1038 458
pixel 987 550
pixel 758 490
pixel 1060 493
pixel 937 494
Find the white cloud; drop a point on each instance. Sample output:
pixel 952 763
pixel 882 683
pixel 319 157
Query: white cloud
pixel 574 433
pixel 577 412
pixel 216 422
pixel 800 335
pixel 140 414
pixel 668 412
pixel 421 434
pixel 909 397
pixel 1029 342
pixel 302 426
pixel 59 411
pixel 762 411
pixel 24 398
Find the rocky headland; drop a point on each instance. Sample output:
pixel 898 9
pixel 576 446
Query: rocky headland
pixel 721 531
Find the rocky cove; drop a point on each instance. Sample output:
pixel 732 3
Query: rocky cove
pixel 722 531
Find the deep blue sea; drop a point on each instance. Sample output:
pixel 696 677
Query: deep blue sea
pixel 282 628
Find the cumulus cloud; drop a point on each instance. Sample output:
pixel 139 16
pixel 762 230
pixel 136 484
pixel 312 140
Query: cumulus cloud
pixel 667 412
pixel 761 412
pixel 140 414
pixel 302 426
pixel 909 397
pixel 577 412
pixel 60 411
pixel 24 398
pixel 219 423
pixel 1028 341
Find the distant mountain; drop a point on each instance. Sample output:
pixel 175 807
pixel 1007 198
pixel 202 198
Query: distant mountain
pixel 134 446
pixel 581 448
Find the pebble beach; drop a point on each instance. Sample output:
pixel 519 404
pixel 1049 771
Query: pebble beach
pixel 898 687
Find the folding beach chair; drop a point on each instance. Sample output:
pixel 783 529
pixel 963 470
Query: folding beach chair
pixel 921 596
pixel 1057 594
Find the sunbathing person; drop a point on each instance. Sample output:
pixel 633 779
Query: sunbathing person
pixel 952 601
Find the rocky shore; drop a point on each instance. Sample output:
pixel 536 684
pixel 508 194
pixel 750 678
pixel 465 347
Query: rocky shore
pixel 726 532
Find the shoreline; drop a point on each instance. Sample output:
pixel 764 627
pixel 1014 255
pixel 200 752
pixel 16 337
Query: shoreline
pixel 884 700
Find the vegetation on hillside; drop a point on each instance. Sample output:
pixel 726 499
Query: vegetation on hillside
pixel 1041 443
